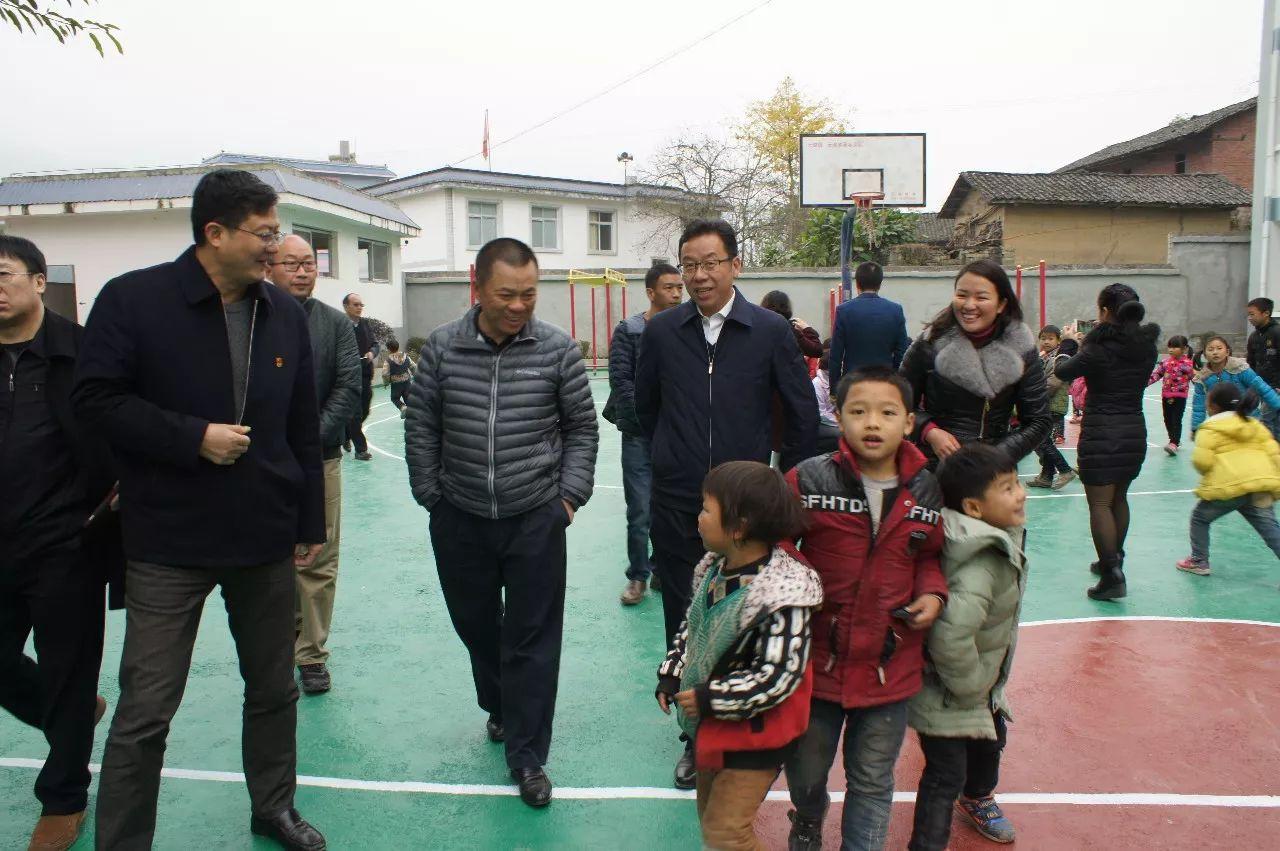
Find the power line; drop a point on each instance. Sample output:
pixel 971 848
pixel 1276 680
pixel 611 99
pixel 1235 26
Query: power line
pixel 615 86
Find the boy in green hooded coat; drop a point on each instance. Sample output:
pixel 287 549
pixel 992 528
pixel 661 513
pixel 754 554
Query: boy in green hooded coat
pixel 961 711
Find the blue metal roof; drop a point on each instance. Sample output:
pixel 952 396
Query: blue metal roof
pixel 450 176
pixel 181 183
pixel 326 166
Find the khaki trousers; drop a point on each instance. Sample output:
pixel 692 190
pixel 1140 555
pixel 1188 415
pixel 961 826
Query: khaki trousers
pixel 727 804
pixel 317 584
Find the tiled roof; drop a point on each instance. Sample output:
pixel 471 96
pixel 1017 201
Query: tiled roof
pixel 930 227
pixel 1158 138
pixel 181 183
pixel 1098 189
pixel 319 166
pixel 450 176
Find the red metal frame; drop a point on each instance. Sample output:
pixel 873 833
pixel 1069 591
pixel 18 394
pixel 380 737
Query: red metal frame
pixel 573 316
pixel 473 285
pixel 1019 277
pixel 831 305
pixel 1043 288
pixel 608 315
pixel 594 355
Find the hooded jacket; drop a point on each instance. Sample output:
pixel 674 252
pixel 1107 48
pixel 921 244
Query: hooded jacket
pixel 1239 373
pixel 971 644
pixel 974 392
pixel 757 696
pixel 1236 456
pixel 863 656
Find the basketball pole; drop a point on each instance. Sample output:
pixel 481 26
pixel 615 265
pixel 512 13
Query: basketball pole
pixel 846 249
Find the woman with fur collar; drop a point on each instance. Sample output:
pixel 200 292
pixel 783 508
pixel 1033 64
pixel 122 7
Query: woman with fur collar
pixel 974 365
pixel 1115 360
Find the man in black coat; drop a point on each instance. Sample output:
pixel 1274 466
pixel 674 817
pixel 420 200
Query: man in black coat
pixel 706 378
pixel 54 477
pixel 200 377
pixel 353 304
pixel 1263 354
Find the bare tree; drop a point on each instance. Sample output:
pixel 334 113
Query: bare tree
pixel 707 177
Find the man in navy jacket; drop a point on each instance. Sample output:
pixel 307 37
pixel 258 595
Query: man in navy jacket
pixel 199 375
pixel 870 330
pixel 706 377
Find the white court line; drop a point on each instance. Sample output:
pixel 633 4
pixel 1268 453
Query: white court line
pixel 1165 618
pixel 1080 495
pixel 622 793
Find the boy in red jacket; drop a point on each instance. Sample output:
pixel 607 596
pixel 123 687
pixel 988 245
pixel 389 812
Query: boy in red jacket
pixel 874 536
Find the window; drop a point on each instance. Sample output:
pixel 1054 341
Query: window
pixel 600 227
pixel 375 260
pixel 546 227
pixel 482 223
pixel 322 244
pixel 1179 163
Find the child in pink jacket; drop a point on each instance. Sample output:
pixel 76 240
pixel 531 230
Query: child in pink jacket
pixel 1177 372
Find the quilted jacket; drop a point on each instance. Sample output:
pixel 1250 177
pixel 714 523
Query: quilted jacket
pixel 500 431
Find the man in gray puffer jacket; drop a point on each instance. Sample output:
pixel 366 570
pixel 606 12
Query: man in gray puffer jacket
pixel 501 442
pixel 337 367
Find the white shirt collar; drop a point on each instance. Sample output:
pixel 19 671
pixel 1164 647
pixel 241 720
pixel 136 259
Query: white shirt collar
pixel 723 313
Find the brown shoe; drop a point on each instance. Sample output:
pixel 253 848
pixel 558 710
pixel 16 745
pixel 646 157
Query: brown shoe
pixel 56 833
pixel 99 709
pixel 634 592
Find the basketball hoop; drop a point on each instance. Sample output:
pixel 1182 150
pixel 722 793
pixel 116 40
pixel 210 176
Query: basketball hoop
pixel 865 202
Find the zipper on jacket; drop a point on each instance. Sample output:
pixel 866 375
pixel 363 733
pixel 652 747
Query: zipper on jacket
pixel 982 425
pixel 711 368
pixel 493 424
pixel 833 638
pixel 248 365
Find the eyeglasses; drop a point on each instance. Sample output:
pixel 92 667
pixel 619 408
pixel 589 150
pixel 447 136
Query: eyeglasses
pixel 7 277
pixel 294 265
pixel 272 237
pixel 688 270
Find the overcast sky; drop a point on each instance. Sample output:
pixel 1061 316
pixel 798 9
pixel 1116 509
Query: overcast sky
pixel 1002 86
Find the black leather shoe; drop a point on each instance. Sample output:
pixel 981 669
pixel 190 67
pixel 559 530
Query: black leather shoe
pixel 686 774
pixel 535 786
pixel 1096 567
pixel 315 678
pixel 1111 583
pixel 290 830
pixel 495 730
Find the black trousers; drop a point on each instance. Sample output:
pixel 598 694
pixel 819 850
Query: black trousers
pixel 57 597
pixel 952 766
pixel 355 428
pixel 503 583
pixel 163 607
pixel 1174 410
pixel 677 549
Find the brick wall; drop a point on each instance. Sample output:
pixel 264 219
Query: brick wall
pixel 1227 150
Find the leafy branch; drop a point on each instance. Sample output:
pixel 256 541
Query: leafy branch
pixel 62 27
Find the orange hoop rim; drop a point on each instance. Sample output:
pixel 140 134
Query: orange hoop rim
pixel 864 200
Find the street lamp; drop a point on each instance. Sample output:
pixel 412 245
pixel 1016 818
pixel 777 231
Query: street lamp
pixel 625 159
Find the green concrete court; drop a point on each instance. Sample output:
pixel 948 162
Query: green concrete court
pixel 402 710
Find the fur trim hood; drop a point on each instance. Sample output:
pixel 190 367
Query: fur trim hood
pixel 1105 331
pixel 988 371
pixel 784 582
pixel 1234 365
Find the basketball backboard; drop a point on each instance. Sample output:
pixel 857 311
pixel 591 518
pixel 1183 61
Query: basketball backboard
pixel 834 166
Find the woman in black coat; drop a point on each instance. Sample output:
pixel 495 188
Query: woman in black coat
pixel 1115 359
pixel 974 366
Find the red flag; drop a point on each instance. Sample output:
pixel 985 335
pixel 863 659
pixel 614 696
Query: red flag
pixel 484 146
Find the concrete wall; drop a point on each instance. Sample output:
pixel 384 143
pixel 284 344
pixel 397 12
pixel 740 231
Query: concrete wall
pixel 636 241
pixel 1101 235
pixel 103 245
pixel 1205 290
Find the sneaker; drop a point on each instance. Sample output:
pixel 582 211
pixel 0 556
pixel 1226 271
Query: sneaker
pixel 1059 440
pixel 315 678
pixel 364 456
pixel 1194 565
pixel 1171 449
pixel 1065 479
pixel 988 818
pixel 634 592
pixel 806 833
pixel 1040 482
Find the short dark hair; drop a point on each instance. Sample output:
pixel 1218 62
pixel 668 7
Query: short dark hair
pixel 880 374
pixel 228 196
pixel 1051 329
pixel 721 228
pixel 755 500
pixel 25 252
pixel 1265 305
pixel 656 271
pixel 504 249
pixel 393 345
pixel 346 299
pixel 968 473
pixel 777 301
pixel 869 276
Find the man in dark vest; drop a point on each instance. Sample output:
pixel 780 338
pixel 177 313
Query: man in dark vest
pixel 59 540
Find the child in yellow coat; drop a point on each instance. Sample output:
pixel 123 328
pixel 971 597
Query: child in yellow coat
pixel 1239 464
